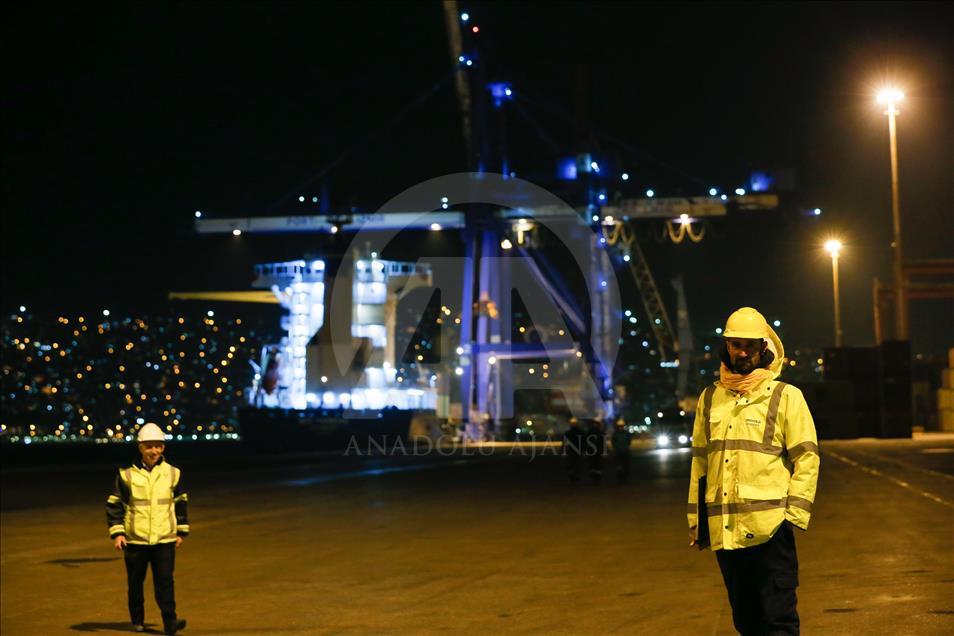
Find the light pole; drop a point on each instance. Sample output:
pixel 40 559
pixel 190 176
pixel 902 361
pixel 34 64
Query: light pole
pixel 833 247
pixel 890 98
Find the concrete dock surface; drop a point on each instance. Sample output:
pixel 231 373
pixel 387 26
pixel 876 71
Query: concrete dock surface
pixel 476 542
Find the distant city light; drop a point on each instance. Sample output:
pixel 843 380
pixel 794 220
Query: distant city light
pixel 436 227
pixel 595 167
pixel 476 29
pixel 740 191
pixel 301 199
pixel 625 176
pixel 627 313
pixel 650 193
pixel 443 206
pixel 602 197
pixel 105 312
pixel 777 323
pixel 626 258
pixel 492 360
pixel 719 330
pixel 460 351
pixel 314 199
pixel 817 211
pixel 198 214
pixel 22 309
pixel 470 62
pixel 464 17
pixel 724 197
pixel 459 371
pixel 444 199
pixel 506 244
pixel 210 313
pixel 236 232
pixel 596 218
pixel 713 192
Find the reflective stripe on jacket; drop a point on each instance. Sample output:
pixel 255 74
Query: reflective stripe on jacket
pixel 148 506
pixel 759 454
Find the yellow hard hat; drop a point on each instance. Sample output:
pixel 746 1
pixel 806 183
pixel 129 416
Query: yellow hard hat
pixel 746 323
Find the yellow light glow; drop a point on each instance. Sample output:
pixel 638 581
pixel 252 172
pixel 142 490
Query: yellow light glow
pixel 890 95
pixel 833 247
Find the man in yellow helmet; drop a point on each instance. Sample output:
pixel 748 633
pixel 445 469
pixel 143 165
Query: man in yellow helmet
pixel 754 472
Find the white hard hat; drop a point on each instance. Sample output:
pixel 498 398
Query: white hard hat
pixel 151 433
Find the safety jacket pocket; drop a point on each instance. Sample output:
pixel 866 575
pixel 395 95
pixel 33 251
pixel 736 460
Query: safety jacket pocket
pixel 760 493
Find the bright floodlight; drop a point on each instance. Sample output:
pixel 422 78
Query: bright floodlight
pixel 236 232
pixel 833 247
pixel 890 96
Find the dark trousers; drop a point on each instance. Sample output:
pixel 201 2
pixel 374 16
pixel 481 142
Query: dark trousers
pixel 573 461
pixel 622 465
pixel 761 582
pixel 162 557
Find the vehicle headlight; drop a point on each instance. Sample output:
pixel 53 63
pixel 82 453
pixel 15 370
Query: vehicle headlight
pixel 663 440
pixel 683 439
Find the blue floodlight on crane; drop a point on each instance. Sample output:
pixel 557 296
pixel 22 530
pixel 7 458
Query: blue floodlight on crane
pixel 500 91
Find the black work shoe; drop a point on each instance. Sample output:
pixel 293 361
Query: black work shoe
pixel 179 624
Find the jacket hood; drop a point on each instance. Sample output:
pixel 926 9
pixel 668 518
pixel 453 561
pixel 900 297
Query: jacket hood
pixel 778 350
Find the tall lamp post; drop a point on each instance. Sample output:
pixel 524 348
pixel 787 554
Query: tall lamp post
pixel 890 98
pixel 833 247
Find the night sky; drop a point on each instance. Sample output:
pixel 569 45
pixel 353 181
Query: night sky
pixel 121 120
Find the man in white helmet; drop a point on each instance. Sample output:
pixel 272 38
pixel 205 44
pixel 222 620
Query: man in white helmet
pixel 147 519
pixel 754 472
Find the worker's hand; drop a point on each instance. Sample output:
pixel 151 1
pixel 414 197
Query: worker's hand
pixel 692 540
pixel 178 541
pixel 120 542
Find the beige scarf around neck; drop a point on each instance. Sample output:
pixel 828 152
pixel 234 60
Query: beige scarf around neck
pixel 743 383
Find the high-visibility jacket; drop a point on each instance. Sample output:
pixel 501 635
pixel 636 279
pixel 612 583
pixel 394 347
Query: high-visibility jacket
pixel 148 506
pixel 758 452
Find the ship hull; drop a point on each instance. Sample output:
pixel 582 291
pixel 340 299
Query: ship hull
pixel 288 430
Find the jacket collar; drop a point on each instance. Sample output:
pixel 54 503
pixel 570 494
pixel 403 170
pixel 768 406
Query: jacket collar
pixel 139 463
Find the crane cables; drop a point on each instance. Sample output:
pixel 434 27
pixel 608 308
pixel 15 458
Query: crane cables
pixel 676 232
